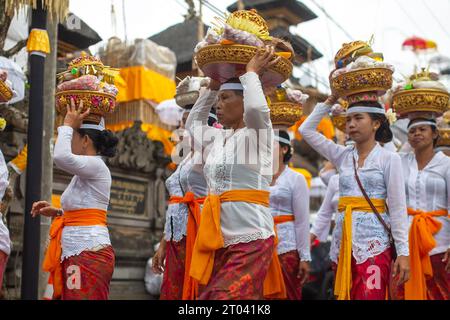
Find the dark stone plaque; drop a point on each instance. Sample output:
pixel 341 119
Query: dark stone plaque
pixel 128 196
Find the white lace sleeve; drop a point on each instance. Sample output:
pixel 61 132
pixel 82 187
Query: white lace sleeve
pixel 256 110
pixel 300 205
pixel 326 147
pixel 322 223
pixel 396 198
pixel 83 166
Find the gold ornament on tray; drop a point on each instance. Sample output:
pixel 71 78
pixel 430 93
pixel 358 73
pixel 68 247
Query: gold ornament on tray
pixel 223 59
pixel 6 93
pixel 340 120
pixel 444 137
pixel 419 96
pixel 99 101
pixel 223 62
pixel 362 81
pixel 283 112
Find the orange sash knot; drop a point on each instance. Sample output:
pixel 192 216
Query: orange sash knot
pixel 274 286
pixel 52 259
pixel 190 285
pixel 421 242
pixel 209 234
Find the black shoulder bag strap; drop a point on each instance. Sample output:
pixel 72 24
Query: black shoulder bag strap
pixel 374 209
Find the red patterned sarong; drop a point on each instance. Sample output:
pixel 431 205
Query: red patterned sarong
pixel 438 287
pixel 3 262
pixel 172 284
pixel 290 262
pixel 239 271
pixel 87 276
pixel 370 279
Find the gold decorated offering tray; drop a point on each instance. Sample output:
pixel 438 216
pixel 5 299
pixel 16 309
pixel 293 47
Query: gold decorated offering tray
pixel 227 49
pixel 223 62
pixel 284 110
pixel 362 80
pixel 99 103
pixel 87 79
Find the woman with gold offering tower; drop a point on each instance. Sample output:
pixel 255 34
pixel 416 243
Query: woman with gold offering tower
pixel 187 189
pixel 234 254
pixel 423 99
pixel 367 233
pixel 80 257
pixel 289 194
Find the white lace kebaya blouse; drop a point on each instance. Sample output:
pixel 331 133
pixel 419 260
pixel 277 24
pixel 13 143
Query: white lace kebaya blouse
pixel 290 196
pixel 429 190
pixel 89 189
pixel 329 207
pixel 381 177
pixel 5 242
pixel 228 167
pixel 187 177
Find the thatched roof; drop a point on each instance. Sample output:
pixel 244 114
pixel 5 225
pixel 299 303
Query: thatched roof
pixel 56 9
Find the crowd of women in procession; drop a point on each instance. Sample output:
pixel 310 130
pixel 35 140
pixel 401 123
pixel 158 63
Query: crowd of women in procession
pixel 237 223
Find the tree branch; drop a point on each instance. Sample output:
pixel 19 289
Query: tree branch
pixel 10 52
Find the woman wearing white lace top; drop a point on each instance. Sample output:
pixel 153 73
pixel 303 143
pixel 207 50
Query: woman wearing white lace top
pixel 235 241
pixel 427 182
pixel 5 242
pixel 361 244
pixel 80 257
pixel 328 208
pixel 289 205
pixel 187 189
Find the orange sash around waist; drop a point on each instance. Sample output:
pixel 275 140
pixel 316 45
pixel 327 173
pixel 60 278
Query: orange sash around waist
pixel 209 235
pixel 283 218
pixel 421 242
pixel 52 259
pixel 274 288
pixel 190 285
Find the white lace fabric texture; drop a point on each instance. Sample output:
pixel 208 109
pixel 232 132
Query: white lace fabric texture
pixel 429 190
pixel 328 209
pixel 187 177
pixel 290 196
pixel 381 177
pixel 89 189
pixel 241 222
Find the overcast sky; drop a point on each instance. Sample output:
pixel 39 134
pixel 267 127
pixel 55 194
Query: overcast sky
pixel 391 22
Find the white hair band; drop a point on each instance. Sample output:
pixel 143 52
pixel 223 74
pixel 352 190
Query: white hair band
pixel 231 86
pixel 99 127
pixel 363 109
pixel 421 123
pixel 281 139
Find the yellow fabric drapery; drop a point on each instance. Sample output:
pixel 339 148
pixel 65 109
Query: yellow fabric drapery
pixel 304 172
pixel 38 41
pixel 153 132
pixel 343 283
pixel 325 126
pixel 144 84
pixel 19 163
